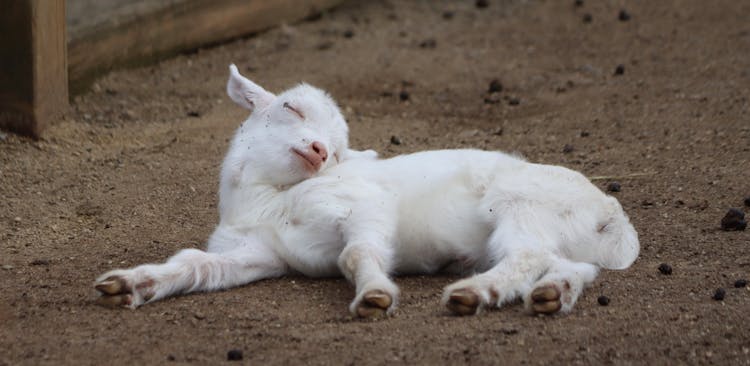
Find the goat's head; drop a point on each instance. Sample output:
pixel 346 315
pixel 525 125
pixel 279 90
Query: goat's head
pixel 288 137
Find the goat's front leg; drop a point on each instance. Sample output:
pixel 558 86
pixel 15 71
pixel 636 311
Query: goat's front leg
pixel 192 270
pixel 367 266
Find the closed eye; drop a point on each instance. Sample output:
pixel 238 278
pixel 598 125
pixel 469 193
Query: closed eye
pixel 296 111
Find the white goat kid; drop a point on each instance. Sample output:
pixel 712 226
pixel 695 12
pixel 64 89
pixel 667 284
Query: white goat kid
pixel 294 199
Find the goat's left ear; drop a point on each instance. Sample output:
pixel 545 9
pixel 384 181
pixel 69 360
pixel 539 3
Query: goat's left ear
pixel 246 93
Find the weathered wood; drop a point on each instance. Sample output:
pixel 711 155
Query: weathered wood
pixel 33 68
pixel 156 31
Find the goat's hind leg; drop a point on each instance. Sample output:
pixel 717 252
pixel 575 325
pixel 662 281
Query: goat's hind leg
pixel 521 259
pixel 560 287
pixel 190 270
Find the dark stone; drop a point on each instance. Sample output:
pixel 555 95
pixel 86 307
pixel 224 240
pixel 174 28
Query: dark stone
pixel 614 187
pixel 234 355
pixel 624 16
pixel 403 95
pixel 734 220
pixel 514 101
pixel 719 294
pixel 193 114
pixel 395 140
pixel 665 269
pixel 447 15
pixel 740 283
pixel 578 3
pixel 585 134
pixel 747 201
pixel 587 18
pixel 603 300
pixel 348 33
pixel 620 69
pixel 481 4
pixel 495 86
pixel 568 148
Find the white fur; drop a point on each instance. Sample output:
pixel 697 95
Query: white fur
pixel 519 225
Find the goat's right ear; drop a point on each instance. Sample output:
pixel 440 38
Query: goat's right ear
pixel 245 92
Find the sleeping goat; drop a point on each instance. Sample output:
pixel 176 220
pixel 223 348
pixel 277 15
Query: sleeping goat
pixel 294 198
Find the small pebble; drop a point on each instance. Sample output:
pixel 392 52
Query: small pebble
pixel 7 267
pixel 568 148
pixel 234 355
pixel 603 300
pixel 740 283
pixel 481 4
pixel 587 18
pixel 171 358
pixel 428 43
pixel 624 16
pixel 403 95
pixel 514 101
pixel 585 134
pixel 620 69
pixel 194 114
pixel 448 15
pixel 747 201
pixel 578 3
pixel 325 45
pixel 495 86
pixel 665 269
pixel 348 33
pixel 614 187
pixel 395 140
pixel 734 220
pixel 719 294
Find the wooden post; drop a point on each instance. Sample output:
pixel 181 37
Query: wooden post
pixel 33 64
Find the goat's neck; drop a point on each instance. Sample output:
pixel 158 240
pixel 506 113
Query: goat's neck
pixel 251 203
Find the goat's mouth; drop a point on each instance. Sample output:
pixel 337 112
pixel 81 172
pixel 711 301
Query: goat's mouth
pixel 311 161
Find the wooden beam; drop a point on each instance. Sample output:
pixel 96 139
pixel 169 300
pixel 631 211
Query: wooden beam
pixel 159 31
pixel 33 66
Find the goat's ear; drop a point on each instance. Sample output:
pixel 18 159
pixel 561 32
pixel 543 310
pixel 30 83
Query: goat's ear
pixel 246 93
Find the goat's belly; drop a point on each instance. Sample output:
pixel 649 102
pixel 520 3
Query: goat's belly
pixel 313 253
pixel 446 233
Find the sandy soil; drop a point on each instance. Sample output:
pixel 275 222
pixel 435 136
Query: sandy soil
pixel 130 176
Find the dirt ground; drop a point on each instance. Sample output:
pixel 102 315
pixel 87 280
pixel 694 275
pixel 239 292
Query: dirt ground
pixel 130 176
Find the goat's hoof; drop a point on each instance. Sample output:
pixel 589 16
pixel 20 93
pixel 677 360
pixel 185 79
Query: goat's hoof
pixel 119 290
pixel 546 300
pixel 112 285
pixel 463 302
pixel 374 304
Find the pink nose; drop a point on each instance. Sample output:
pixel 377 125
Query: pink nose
pixel 314 157
pixel 320 149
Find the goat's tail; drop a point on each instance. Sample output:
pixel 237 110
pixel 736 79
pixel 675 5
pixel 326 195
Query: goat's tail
pixel 619 246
